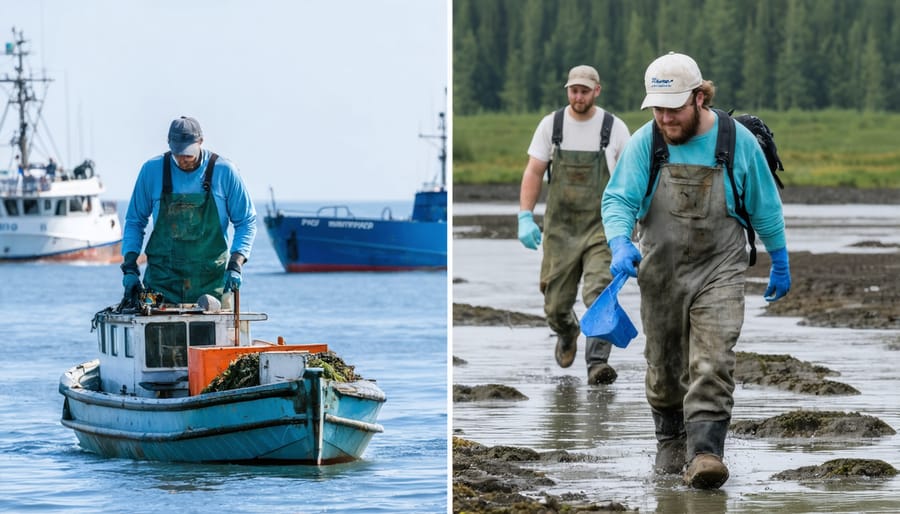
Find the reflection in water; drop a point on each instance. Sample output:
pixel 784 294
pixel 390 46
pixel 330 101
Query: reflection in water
pixel 689 501
pixel 572 424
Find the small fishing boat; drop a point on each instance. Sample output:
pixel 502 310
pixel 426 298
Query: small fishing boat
pixel 187 383
pixel 47 212
pixel 333 239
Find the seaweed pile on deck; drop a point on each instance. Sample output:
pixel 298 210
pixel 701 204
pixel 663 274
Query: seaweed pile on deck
pixel 244 371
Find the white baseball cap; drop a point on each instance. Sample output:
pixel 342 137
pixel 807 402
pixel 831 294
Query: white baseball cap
pixel 670 80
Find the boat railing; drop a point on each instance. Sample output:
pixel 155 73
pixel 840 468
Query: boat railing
pixel 337 211
pixel 23 186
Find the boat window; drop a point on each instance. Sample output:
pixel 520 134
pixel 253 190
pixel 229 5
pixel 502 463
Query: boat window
pixel 12 207
pixel 48 205
pixel 113 347
pixel 165 345
pixel 101 335
pixel 79 204
pixel 60 207
pixel 203 333
pixel 129 346
pixel 31 207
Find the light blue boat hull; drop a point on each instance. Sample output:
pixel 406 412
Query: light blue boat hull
pixel 308 421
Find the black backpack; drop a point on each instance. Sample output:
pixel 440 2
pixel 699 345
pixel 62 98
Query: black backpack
pixel 556 139
pixel 725 141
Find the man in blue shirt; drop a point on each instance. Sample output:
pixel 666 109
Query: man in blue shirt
pixel 193 195
pixel 693 261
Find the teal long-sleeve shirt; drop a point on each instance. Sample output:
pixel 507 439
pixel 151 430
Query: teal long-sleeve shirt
pixel 624 200
pixel 232 201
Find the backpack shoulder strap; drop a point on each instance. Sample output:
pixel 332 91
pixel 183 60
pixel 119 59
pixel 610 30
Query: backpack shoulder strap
pixel 557 126
pixel 726 140
pixel 659 155
pixel 606 130
pixel 556 138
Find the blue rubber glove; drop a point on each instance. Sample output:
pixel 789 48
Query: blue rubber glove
pixel 625 257
pixel 779 275
pixel 131 278
pixel 529 232
pixel 233 273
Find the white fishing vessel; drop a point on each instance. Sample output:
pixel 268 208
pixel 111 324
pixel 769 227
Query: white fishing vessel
pixel 47 212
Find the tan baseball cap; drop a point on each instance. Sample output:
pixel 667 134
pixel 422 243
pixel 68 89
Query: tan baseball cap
pixel 669 81
pixel 583 75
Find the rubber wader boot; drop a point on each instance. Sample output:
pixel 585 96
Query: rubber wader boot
pixel 706 446
pixel 601 373
pixel 671 441
pixel 566 345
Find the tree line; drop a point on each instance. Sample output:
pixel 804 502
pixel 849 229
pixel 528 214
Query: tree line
pixel 514 55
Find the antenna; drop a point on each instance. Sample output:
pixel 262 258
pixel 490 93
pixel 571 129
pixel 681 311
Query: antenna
pixel 23 94
pixel 442 135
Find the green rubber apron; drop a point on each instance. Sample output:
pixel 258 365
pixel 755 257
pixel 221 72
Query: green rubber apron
pixel 187 251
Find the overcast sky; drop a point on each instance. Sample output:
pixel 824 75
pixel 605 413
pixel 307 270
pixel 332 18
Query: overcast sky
pixel 321 100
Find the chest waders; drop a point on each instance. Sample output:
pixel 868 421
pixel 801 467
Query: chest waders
pixel 692 305
pixel 187 252
pixel 574 243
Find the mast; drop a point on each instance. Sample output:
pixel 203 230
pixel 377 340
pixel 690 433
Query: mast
pixel 442 156
pixel 22 92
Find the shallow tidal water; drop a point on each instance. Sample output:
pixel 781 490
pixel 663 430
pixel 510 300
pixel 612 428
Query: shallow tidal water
pixel 612 423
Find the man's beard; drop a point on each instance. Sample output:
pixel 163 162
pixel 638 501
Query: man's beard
pixel 582 108
pixel 688 131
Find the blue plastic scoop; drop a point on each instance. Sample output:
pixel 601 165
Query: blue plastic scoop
pixel 605 319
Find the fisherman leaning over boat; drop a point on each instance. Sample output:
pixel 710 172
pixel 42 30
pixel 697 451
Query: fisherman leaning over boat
pixel 192 194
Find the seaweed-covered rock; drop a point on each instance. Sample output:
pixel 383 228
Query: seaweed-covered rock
pixel 487 479
pixel 463 393
pixel 815 424
pixel 244 371
pixel 788 373
pixel 476 315
pixel 839 469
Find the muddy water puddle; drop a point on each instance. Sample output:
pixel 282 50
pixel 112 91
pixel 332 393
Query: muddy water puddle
pixel 612 425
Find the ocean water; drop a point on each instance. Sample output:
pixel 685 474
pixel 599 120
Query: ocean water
pixel 391 326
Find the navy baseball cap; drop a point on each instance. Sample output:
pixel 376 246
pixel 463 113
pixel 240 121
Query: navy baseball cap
pixel 185 136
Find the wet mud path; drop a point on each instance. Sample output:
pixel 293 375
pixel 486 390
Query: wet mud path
pixel 829 290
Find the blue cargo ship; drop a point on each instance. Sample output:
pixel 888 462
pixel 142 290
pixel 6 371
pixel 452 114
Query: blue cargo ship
pixel 333 239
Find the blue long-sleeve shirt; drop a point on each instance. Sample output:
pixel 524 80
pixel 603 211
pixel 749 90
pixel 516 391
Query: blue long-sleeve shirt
pixel 624 200
pixel 232 201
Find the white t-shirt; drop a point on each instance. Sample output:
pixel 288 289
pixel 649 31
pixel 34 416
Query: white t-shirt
pixel 580 135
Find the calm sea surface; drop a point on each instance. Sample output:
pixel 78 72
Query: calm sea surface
pixel 391 326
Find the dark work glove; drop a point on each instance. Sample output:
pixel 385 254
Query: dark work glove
pixel 131 279
pixel 233 272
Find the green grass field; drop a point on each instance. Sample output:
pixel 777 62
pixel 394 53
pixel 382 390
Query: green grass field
pixel 818 148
